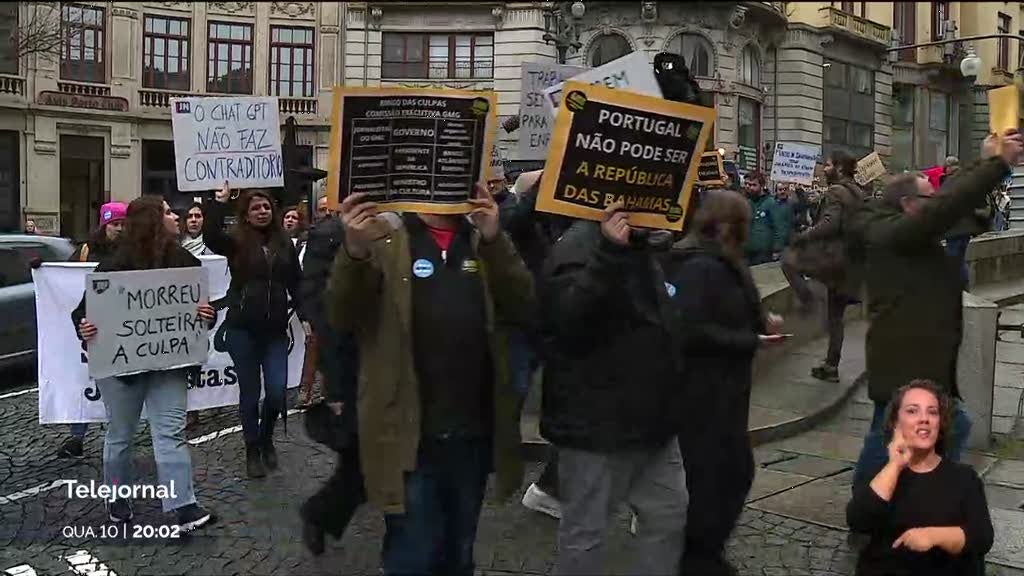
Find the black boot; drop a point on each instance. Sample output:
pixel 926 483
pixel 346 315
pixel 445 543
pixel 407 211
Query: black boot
pixel 253 462
pixel 269 454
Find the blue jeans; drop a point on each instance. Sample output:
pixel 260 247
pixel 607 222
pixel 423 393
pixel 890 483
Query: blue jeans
pixel 79 430
pixel 520 361
pixel 251 356
pixel 957 248
pixel 875 453
pixel 443 496
pixel 165 394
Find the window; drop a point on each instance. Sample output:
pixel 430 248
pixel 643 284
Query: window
pixel 749 128
pixel 9 38
pixel 82 47
pixel 696 51
pixel 940 15
pixel 848 109
pixel 158 172
pixel 229 58
pixel 165 53
pixel 938 126
pixel 1003 58
pixel 607 48
pixel 291 61
pixel 439 56
pixel 904 21
pixel 902 127
pixel 750 67
pixel 846 7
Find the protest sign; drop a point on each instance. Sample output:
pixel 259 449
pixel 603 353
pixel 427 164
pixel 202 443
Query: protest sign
pixel 236 138
pixel 710 171
pixel 409 149
pixel 1003 109
pixel 534 121
pixel 632 72
pixel 68 395
pixel 610 145
pixel 869 168
pixel 146 320
pixel 496 171
pixel 794 162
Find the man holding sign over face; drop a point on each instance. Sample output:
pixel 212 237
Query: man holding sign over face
pixel 144 330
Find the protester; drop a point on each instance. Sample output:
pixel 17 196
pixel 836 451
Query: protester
pixel 720 325
pixel 192 231
pixel 609 366
pixel 786 203
pixel 1002 218
pixel 322 210
pixel 294 225
pixel 976 222
pixel 150 242
pixel 767 237
pixel 924 513
pixel 829 253
pixel 265 274
pixel 101 244
pixel 429 298
pixel 30 227
pixel 914 290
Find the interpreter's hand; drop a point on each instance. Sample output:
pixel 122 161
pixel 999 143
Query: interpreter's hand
pixel 485 213
pixel 206 312
pixel 362 226
pixel 899 452
pixel 916 539
pixel 774 323
pixel 615 225
pixel 771 339
pixel 336 407
pixel 224 194
pixel 87 330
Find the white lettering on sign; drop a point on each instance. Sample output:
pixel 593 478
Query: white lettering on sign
pixel 237 139
pixel 535 123
pixel 794 162
pixel 633 72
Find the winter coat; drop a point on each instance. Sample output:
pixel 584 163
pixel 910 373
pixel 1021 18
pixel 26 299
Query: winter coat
pixel 93 251
pixel 609 359
pixel 265 289
pixel 979 220
pixel 767 227
pixel 827 251
pixel 914 290
pixel 373 299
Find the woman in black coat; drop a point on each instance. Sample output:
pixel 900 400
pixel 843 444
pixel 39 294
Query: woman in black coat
pixel 719 325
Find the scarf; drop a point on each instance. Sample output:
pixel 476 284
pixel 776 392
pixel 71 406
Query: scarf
pixel 195 246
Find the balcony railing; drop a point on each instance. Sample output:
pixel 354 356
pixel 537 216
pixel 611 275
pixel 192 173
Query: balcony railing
pixel 297 105
pixel 83 89
pixel 153 98
pixel 12 85
pixel 857 26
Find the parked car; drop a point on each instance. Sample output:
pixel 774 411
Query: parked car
pixel 17 293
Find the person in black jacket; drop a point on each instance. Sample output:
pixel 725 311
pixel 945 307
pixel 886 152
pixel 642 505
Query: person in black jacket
pixel 150 242
pixel 265 276
pixel 610 365
pixel 719 325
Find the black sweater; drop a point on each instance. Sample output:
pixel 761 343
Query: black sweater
pixel 950 495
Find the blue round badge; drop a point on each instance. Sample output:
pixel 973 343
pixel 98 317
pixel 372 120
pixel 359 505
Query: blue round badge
pixel 423 268
pixel 670 289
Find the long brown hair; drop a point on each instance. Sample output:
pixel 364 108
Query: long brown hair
pixel 145 242
pixel 718 208
pixel 247 237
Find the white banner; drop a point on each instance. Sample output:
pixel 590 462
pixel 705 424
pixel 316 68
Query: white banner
pixel 236 138
pixel 535 122
pixel 66 393
pixel 633 72
pixel 794 162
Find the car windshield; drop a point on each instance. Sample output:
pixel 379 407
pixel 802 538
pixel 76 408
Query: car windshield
pixel 16 260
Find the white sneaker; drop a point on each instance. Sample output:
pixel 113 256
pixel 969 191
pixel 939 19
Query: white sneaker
pixel 540 501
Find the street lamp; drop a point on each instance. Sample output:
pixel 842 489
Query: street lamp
pixel 971 64
pixel 560 26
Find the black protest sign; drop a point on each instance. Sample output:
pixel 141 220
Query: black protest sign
pixel 711 172
pixel 610 145
pixel 412 150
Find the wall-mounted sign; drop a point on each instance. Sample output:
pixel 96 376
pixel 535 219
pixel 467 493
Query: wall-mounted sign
pixel 92 102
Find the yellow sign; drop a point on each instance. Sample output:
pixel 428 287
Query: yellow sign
pixel 410 149
pixel 711 171
pixel 869 168
pixel 1003 109
pixel 611 145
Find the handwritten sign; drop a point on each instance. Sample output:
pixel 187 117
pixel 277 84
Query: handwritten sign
pixel 412 150
pixel 146 320
pixel 869 168
pixel 534 121
pixel 632 72
pixel 611 145
pixel 1003 108
pixel 794 162
pixel 496 171
pixel 237 139
pixel 710 171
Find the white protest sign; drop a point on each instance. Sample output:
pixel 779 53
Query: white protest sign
pixel 794 162
pixel 535 122
pixel 632 72
pixel 236 138
pixel 869 168
pixel 67 394
pixel 497 167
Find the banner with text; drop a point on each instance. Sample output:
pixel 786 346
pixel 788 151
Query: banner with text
pixel 236 138
pixel 711 171
pixel 146 320
pixel 610 145
pixel 67 394
pixel 794 162
pixel 632 72
pixel 869 168
pixel 535 122
pixel 409 149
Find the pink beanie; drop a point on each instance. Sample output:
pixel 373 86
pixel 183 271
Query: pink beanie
pixel 112 212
